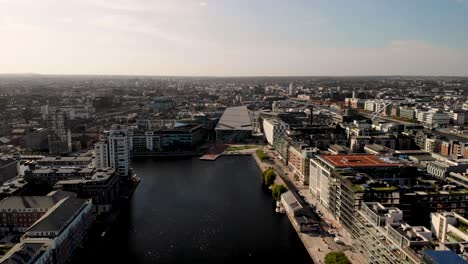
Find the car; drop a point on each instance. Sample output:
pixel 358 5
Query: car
pixel 338 240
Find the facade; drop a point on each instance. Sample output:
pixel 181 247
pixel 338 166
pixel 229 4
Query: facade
pixel 165 139
pixel 336 149
pixel 37 252
pixel 79 161
pixel 50 176
pixel 234 125
pixel 407 113
pixel 144 142
pixel 441 169
pixel 300 216
pixel 358 142
pixel 8 169
pixel 18 213
pixel 163 104
pixel 272 128
pixel 65 225
pixel 101 150
pixel 59 133
pixel 458 178
pixel 419 204
pixel 37 139
pixel 102 187
pixel 113 150
pixel 119 150
pixel 384 239
pixel 341 183
pixel 449 227
pixel 299 162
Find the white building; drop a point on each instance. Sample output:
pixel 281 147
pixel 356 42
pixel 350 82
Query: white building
pixel 458 117
pixel 114 150
pixel 449 227
pixel 369 105
pixel 437 118
pixel 72 112
pixel 272 128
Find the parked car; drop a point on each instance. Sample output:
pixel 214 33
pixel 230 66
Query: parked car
pixel 338 240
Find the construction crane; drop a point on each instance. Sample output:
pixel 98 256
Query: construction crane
pixel 380 110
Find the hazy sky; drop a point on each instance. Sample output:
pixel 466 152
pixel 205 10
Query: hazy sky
pixel 234 37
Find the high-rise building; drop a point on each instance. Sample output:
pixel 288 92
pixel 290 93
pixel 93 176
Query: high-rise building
pixel 119 151
pixel 113 150
pixel 59 133
pixel 102 154
pixel 291 88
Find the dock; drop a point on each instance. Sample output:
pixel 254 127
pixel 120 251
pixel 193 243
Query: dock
pixel 210 157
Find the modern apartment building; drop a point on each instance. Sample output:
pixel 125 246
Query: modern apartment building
pixel 64 226
pixel 59 133
pixel 299 161
pixel 384 238
pixel 113 150
pixel 342 183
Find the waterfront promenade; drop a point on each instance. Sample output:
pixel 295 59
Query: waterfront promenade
pixel 317 245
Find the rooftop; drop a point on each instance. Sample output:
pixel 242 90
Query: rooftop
pixel 353 161
pixel 23 253
pixel 24 202
pixel 57 218
pixel 235 118
pixel 443 256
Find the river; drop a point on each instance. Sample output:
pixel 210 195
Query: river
pixel 191 211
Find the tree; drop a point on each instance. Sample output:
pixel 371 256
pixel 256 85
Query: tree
pixel 268 177
pixel 336 257
pixel 277 190
pixel 261 154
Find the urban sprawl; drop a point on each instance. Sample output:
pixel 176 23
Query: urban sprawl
pixel 375 167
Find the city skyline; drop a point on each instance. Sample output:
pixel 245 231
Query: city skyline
pixel 235 38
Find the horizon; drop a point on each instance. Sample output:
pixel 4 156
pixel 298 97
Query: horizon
pixel 235 38
pixel 228 76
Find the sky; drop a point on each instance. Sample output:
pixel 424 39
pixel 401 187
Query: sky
pixel 235 37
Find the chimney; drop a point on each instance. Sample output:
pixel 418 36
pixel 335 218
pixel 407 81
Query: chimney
pixel 311 115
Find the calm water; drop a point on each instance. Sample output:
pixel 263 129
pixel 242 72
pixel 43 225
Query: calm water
pixel 191 211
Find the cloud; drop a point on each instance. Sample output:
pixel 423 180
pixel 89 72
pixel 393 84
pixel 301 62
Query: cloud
pixel 203 3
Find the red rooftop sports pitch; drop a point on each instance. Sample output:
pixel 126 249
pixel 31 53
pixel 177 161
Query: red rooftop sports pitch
pixel 346 161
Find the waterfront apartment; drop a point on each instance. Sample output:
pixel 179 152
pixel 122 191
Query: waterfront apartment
pixel 51 176
pixel 102 186
pixel 451 231
pixel 384 169
pixel 64 226
pixel 113 150
pixel 381 235
pixel 299 162
pixel 79 161
pixel 18 213
pixel 39 252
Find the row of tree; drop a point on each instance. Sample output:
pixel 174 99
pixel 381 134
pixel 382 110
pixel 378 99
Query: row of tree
pixel 268 178
pixel 336 257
